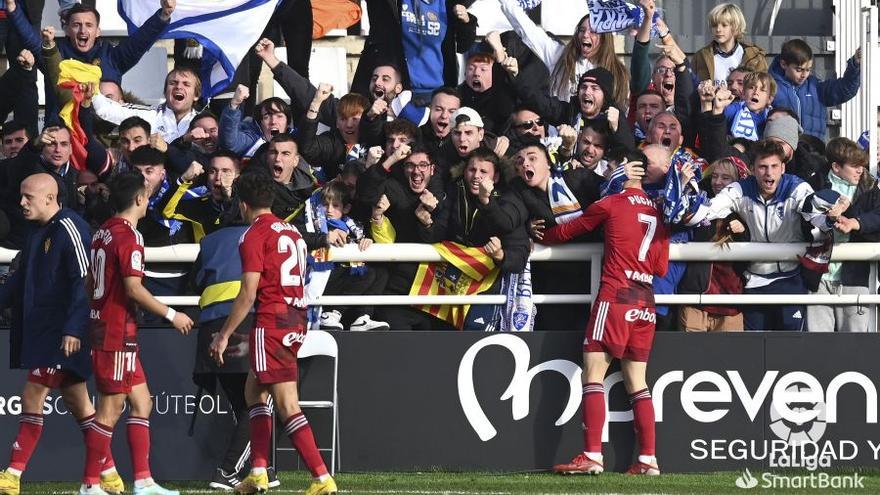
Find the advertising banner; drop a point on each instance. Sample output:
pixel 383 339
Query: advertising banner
pixel 511 402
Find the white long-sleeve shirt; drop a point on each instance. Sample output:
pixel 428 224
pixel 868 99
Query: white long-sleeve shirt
pixel 161 118
pixel 546 48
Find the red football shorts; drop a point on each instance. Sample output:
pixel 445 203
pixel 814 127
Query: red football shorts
pixel 626 331
pixel 273 353
pixel 52 377
pixel 116 372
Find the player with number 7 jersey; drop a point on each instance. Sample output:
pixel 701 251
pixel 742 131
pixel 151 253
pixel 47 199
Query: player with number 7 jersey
pixel 623 317
pixel 273 262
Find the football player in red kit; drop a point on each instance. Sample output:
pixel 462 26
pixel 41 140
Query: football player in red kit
pixel 622 319
pixel 273 262
pixel 117 269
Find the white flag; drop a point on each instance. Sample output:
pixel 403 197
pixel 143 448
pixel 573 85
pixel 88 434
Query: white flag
pixel 227 29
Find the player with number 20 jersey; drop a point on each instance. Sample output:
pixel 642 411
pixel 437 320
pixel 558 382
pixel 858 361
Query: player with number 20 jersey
pixel 275 250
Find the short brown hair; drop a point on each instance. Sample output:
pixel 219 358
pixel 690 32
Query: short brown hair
pixel 796 52
pixel 753 79
pixel 351 105
pixel 401 126
pixel 841 150
pixel 768 147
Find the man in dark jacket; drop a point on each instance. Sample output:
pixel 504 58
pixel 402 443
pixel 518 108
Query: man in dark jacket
pixel 53 158
pixel 408 206
pixel 421 38
pixel 50 320
pixel 82 43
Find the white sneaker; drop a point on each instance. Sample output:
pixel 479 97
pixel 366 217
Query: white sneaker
pixel 364 323
pixel 330 320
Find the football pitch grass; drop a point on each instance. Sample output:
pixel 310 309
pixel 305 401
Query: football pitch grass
pixel 446 483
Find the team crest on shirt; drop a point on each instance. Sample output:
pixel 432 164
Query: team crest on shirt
pixel 137 261
pixel 46 245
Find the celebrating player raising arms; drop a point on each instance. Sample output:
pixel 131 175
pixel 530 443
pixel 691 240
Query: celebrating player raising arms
pixel 273 260
pixel 117 269
pixel 623 318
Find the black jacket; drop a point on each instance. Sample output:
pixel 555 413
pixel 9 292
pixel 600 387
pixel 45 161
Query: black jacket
pixel 15 171
pixel 495 104
pixel 464 219
pixel 372 184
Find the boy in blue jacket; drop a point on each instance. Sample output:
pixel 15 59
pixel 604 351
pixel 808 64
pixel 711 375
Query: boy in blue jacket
pixel 805 93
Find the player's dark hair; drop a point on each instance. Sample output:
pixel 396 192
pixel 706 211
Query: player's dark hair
pixel 637 156
pixel 256 190
pixel 124 188
pixel 14 126
pixel 132 122
pixel 147 155
pixel 79 8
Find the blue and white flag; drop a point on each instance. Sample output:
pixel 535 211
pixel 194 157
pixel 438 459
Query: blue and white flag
pixel 611 16
pixel 227 29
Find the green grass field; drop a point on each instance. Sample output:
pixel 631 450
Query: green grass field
pixel 444 483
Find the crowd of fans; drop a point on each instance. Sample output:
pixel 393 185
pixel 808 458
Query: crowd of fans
pixel 537 130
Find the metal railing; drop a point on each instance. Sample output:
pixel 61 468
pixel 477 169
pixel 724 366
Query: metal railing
pixel 695 252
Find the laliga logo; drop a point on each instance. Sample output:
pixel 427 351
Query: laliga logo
pixel 518 390
pixel 796 431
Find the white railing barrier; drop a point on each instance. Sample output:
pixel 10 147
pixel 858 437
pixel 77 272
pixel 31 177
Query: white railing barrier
pixel 744 251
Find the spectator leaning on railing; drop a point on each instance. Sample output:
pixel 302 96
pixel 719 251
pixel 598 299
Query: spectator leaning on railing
pixel 773 206
pixel 847 174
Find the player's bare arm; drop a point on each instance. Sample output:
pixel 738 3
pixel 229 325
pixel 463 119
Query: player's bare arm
pixel 136 291
pixel 242 304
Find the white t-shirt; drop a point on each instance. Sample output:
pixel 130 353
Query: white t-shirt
pixel 725 65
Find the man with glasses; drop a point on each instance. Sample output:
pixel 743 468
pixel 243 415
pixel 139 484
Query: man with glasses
pixel 805 93
pixel 663 79
pixel 404 212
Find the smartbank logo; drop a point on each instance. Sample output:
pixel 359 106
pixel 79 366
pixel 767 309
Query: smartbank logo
pixel 705 396
pixel 810 481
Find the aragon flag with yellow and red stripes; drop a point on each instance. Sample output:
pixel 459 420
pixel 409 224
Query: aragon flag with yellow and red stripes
pixel 464 271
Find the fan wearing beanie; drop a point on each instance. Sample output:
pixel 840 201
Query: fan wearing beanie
pixel 594 101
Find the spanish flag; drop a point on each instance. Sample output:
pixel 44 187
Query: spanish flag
pixel 465 271
pixel 73 75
